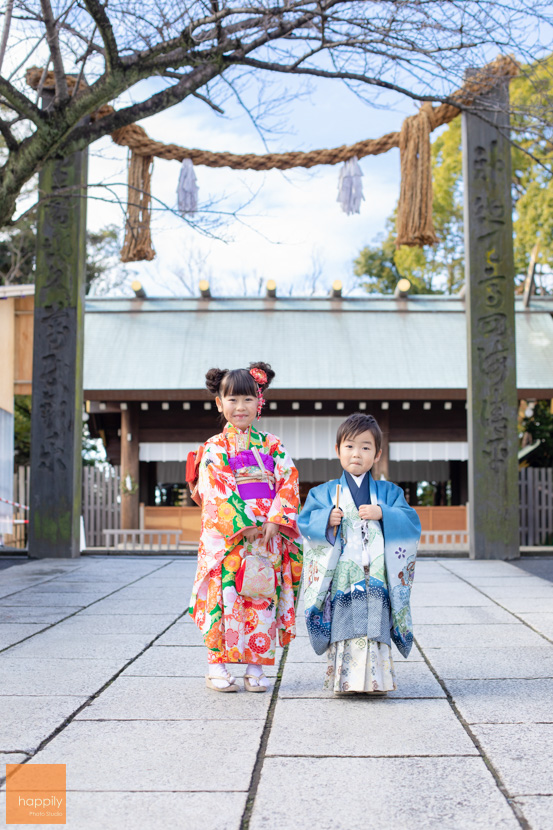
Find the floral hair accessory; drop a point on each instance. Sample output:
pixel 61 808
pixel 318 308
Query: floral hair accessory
pixel 258 375
pixel 261 379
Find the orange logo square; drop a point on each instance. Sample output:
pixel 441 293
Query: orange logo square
pixel 35 794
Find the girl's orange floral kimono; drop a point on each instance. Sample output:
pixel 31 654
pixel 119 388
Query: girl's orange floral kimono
pixel 235 495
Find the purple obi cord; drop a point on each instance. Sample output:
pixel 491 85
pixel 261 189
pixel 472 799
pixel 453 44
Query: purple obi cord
pixel 254 489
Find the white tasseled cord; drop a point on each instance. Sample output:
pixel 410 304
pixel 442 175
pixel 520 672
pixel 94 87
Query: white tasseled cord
pixel 187 188
pixel 350 186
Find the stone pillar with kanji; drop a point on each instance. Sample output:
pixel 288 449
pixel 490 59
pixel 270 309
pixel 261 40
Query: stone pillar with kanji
pixel 57 401
pixel 491 384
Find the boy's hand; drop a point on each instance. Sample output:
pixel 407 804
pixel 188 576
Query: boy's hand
pixel 370 512
pixel 336 516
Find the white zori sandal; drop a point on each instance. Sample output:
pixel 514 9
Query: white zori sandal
pixel 227 677
pixel 257 685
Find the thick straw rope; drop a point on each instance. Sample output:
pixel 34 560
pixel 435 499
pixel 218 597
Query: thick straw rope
pixel 414 214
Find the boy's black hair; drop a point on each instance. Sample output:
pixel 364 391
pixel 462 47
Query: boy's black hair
pixel 355 425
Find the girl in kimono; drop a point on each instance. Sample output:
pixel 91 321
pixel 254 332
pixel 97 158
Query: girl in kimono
pixel 360 544
pixel 249 490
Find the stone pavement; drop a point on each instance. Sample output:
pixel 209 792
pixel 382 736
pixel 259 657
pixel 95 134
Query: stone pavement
pixel 102 670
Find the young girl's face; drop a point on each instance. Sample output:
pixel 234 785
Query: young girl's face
pixel 239 410
pixel 357 455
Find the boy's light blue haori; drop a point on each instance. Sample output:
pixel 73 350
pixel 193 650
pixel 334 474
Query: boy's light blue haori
pixel 337 606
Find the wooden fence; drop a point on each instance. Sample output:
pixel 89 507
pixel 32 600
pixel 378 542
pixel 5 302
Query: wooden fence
pixel 102 505
pixel 18 537
pixel 101 502
pixel 536 505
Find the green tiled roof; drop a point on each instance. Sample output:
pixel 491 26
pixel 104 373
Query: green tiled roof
pixel 360 344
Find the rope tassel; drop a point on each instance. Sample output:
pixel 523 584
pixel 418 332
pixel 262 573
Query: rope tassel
pixel 414 211
pixel 187 188
pixel 138 241
pixel 350 186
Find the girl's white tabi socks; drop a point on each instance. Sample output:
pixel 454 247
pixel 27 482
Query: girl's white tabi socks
pixel 257 671
pixel 219 670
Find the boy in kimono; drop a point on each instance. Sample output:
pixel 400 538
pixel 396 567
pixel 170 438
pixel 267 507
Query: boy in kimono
pixel 360 543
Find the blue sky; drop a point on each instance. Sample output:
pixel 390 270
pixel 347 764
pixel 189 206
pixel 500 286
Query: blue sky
pixel 289 225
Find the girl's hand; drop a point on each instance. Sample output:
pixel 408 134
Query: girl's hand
pixel 370 512
pixel 250 534
pixel 270 529
pixel 336 516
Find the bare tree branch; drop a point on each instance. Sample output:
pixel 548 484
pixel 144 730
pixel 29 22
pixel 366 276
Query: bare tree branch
pixel 6 31
pixel 20 103
pixel 7 135
pixel 417 49
pixel 55 51
pixel 98 14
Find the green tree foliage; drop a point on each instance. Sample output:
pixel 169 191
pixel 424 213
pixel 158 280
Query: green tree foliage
pixel 532 162
pixel 440 269
pixel 540 428
pixel 92 450
pixel 22 429
pixel 18 254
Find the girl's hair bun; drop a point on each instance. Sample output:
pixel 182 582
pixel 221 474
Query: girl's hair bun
pixel 213 379
pixel 265 367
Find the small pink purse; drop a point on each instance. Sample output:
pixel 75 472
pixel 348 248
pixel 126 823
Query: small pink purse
pixel 256 577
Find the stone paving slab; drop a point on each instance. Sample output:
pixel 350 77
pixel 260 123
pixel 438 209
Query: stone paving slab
pixel 34 614
pixel 11 633
pixel 448 595
pixel 482 567
pixel 480 663
pixel 44 600
pixel 173 698
pixel 159 605
pixel 521 754
pixel 414 679
pixel 152 591
pixel 505 592
pixel 503 701
pixel 45 676
pixel 61 643
pixel 541 621
pixel 10 758
pixel 88 589
pixel 141 755
pixel 25 721
pixel 180 661
pixel 432 565
pixel 181 634
pixel 467 636
pixel 518 605
pixel 362 726
pixel 148 811
pixel 94 624
pixel 8 587
pixel 508 581
pixel 473 615
pixel 156 728
pixel 380 794
pixel 537 809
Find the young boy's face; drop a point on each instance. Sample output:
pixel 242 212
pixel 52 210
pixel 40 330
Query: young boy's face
pixel 357 455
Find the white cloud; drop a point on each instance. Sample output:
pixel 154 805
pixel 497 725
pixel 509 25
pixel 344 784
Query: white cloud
pixel 285 220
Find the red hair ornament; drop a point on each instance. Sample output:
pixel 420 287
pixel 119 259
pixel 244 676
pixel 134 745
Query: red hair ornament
pixel 261 379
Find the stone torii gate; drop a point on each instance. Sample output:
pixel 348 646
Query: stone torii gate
pixel 56 425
